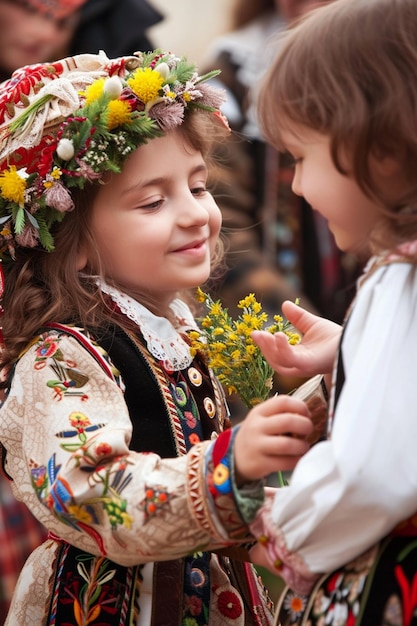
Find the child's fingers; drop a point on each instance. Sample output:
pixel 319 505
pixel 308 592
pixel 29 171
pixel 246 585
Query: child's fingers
pixel 297 316
pixel 285 447
pixel 281 356
pixel 283 404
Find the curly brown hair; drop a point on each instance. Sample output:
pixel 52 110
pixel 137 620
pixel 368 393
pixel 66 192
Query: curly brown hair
pixel 42 287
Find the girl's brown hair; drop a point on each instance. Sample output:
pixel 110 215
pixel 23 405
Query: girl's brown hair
pixel 349 70
pixel 42 287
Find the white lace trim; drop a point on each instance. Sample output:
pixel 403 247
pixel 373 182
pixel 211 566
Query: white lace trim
pixel 164 341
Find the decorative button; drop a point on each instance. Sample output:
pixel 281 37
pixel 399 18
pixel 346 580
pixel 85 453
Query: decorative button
pixel 210 407
pixel 195 376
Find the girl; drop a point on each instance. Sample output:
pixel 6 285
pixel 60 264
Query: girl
pixel 341 98
pixel 110 426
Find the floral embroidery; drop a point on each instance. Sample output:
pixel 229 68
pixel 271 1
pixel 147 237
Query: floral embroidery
pixel 193 604
pixel 67 380
pixel 57 495
pixel 92 590
pixel 82 425
pixel 155 501
pixel 194 438
pixel 229 604
pixel 295 604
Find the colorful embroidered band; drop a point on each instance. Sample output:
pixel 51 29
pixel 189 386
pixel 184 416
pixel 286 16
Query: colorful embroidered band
pixel 70 122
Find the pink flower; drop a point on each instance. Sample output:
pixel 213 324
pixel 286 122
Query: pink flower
pixel 167 116
pixel 29 238
pixel 211 96
pixel 58 197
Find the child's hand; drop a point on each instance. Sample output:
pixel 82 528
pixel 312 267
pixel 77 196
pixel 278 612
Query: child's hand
pixel 271 438
pixel 313 355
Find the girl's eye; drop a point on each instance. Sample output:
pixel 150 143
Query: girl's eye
pixel 198 191
pixel 152 205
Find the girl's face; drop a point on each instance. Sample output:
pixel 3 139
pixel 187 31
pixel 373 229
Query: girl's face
pixel 155 224
pixel 351 215
pixel 28 36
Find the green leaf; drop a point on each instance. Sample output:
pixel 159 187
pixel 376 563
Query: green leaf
pixel 19 222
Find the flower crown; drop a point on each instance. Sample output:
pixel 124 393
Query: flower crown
pixel 67 123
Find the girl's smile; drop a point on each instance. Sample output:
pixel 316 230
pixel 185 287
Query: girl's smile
pixel 157 234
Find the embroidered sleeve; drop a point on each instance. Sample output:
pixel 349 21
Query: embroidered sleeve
pixel 66 429
pixel 221 485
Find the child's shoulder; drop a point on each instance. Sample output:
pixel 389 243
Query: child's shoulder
pixel 51 342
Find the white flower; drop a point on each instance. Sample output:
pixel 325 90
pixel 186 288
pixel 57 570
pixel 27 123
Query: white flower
pixel 23 173
pixel 113 87
pixel 163 69
pixel 65 149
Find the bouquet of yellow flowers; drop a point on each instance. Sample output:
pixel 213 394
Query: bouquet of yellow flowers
pixel 230 350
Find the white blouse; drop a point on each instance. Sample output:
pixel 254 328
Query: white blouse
pixel 349 491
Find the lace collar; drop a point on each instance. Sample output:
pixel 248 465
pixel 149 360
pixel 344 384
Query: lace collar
pixel 164 341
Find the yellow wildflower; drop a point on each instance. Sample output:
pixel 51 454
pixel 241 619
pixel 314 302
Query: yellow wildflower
pixel 56 173
pixel 6 232
pixel 201 296
pixel 247 302
pixel 118 113
pixel 146 84
pixel 94 91
pixel 12 186
pixel 236 360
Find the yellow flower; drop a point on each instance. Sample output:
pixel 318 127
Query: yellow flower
pixel 247 302
pixel 12 186
pixel 146 84
pixel 6 232
pixel 94 91
pixel 56 173
pixel 201 296
pixel 118 113
pixel 236 360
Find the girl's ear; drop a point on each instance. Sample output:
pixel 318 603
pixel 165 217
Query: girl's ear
pixel 387 165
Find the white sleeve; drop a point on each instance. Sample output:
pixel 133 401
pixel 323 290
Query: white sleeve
pixel 348 492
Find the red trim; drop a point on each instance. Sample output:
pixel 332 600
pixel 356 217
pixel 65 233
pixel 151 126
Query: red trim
pixel 68 330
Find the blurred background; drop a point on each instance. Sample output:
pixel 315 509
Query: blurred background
pixel 190 26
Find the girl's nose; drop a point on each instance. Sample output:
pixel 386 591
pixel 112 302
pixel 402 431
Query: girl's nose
pixel 192 212
pixel 296 183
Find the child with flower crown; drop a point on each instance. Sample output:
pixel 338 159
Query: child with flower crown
pixel 114 433
pixel 340 97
